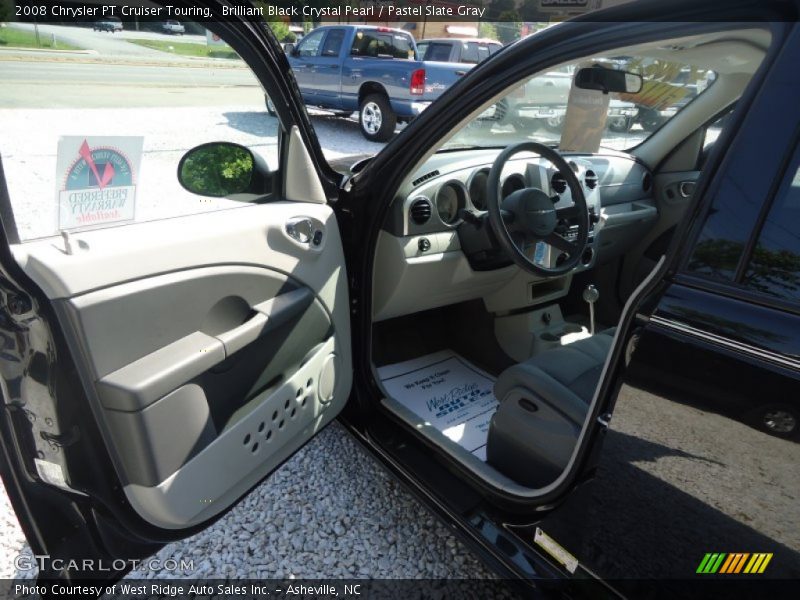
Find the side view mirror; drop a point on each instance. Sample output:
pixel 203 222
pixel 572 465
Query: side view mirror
pixel 608 80
pixel 222 169
pixel 288 48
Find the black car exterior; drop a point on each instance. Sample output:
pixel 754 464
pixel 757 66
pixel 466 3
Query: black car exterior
pixel 631 518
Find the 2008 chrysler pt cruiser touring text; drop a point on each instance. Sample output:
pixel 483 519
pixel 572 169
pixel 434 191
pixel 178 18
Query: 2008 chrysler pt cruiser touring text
pixel 585 360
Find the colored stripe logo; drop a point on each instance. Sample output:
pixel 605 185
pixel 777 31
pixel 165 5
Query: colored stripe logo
pixel 734 563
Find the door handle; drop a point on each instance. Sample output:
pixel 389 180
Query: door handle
pixel 686 188
pixel 461 73
pixel 267 317
pixel 248 332
pixel 306 230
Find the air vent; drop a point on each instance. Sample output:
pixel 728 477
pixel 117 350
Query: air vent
pixel 420 210
pixel 590 179
pixel 647 182
pixel 425 177
pixel 558 184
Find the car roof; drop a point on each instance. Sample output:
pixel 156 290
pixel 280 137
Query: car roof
pixel 479 40
pixel 359 26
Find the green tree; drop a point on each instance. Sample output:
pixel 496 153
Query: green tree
pixel 487 30
pixel 5 10
pixel 529 11
pixel 217 170
pixel 509 27
pixel 498 7
pixel 279 27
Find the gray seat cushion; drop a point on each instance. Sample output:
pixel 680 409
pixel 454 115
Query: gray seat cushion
pixel 543 405
pixel 565 377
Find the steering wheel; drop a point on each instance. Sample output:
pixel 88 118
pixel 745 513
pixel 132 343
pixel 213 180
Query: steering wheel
pixel 528 216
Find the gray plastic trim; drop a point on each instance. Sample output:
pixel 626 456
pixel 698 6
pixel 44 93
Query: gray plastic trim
pixel 246 452
pixel 163 436
pixel 302 182
pixel 246 333
pixel 141 383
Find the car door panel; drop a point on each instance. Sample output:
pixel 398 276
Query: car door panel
pixel 224 369
pixel 672 193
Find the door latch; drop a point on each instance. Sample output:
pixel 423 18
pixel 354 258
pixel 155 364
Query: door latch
pixel 604 419
pixel 306 230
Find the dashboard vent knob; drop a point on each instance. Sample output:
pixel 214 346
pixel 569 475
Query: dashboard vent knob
pixel 420 210
pixel 590 179
pixel 558 183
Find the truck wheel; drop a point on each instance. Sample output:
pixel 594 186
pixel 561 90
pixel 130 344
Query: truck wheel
pixel 554 124
pixel 376 118
pixel 525 125
pixel 780 420
pixel 619 124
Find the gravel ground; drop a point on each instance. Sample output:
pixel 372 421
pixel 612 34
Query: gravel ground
pixel 329 512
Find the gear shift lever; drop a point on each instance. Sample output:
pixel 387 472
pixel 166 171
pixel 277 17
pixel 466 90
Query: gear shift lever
pixel 590 296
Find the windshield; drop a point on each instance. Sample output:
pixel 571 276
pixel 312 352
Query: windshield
pixel 545 108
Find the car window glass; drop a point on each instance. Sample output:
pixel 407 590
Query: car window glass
pixel 483 52
pixel 719 247
pixel 137 117
pixel 309 46
pixel 422 48
pixel 438 52
pixel 400 45
pixel 537 107
pixel 470 53
pixel 774 267
pixel 728 225
pixel 333 42
pixel 375 43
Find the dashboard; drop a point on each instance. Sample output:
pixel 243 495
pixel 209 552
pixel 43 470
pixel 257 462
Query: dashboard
pixel 420 263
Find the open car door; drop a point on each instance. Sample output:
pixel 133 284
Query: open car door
pixel 153 373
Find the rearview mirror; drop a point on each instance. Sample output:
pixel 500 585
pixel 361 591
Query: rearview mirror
pixel 608 80
pixel 219 169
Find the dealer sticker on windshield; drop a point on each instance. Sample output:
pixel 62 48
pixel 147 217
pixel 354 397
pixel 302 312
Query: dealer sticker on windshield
pixel 96 180
pixel 555 550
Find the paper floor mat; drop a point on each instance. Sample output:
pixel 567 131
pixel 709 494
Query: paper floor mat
pixel 448 392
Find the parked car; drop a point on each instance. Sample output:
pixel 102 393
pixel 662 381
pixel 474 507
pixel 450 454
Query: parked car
pixel 477 310
pixel 373 70
pixel 542 101
pixel 457 50
pixel 110 24
pixel 173 27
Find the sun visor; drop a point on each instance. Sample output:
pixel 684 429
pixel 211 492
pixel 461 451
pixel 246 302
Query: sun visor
pixel 585 119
